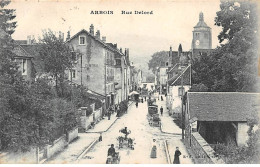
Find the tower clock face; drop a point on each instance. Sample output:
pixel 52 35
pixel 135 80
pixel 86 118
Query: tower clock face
pixel 197 42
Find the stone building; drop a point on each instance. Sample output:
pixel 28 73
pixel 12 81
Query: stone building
pixel 97 63
pixel 202 38
pixel 94 65
pixel 24 61
pixel 220 117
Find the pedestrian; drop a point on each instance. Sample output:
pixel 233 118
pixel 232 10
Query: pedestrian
pixel 161 98
pixel 154 150
pixel 176 156
pixel 136 104
pixel 144 98
pixel 109 114
pixel 116 107
pixel 100 137
pixel 161 110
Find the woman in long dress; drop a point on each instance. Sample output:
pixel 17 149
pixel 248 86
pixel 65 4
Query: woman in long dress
pixel 154 150
pixel 176 156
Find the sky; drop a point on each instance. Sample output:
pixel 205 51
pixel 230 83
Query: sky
pixel 170 24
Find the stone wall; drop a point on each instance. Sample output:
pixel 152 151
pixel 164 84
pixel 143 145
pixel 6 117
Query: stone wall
pixel 85 121
pixel 203 153
pixel 71 135
pixel 57 146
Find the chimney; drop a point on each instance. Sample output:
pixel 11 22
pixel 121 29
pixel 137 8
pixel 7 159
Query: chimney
pixel 68 35
pixel 29 41
pixel 91 29
pixel 104 39
pixel 98 34
pixel 170 54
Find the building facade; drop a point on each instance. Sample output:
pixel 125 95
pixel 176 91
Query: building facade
pixel 94 65
pixel 99 66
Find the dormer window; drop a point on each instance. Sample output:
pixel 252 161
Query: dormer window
pixel 82 40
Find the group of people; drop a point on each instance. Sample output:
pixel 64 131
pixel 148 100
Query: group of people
pixel 176 154
pixel 111 110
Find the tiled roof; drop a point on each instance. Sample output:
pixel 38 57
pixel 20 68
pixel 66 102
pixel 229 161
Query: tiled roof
pixel 223 106
pixel 20 52
pixel 96 39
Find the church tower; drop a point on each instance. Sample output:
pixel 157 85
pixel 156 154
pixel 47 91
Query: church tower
pixel 202 38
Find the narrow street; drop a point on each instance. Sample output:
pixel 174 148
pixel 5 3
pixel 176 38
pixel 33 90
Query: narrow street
pixel 143 133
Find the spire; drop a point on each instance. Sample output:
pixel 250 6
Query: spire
pixel 201 18
pixel 180 48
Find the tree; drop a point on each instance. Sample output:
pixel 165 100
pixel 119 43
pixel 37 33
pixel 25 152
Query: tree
pixel 233 65
pixel 6 18
pixel 57 57
pixel 158 58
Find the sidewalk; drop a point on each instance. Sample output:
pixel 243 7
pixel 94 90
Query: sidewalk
pixel 73 150
pixel 103 125
pixel 185 158
pixel 167 124
pixel 70 154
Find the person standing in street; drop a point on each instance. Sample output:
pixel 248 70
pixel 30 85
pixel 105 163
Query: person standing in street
pixel 177 156
pixel 100 137
pixel 109 114
pixel 154 150
pixel 161 110
pixel 136 104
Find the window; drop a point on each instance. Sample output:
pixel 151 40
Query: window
pixel 74 56
pixel 82 40
pixel 181 91
pixel 24 67
pixel 73 73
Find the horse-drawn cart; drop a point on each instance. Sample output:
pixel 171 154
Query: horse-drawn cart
pixel 153 116
pixel 113 160
pixel 125 140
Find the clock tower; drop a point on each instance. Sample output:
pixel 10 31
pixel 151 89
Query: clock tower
pixel 201 35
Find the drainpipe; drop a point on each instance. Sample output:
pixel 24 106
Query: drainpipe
pixel 182 120
pixel 105 79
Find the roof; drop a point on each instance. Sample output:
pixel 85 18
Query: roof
pixel 19 51
pixel 201 24
pixel 98 40
pixel 223 106
pixel 33 51
pixel 23 42
pixel 176 79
